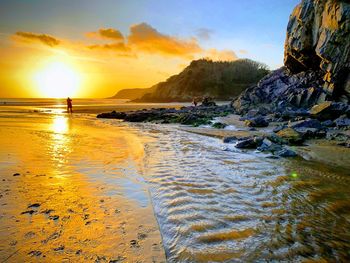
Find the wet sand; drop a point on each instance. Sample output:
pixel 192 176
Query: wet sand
pixel 71 191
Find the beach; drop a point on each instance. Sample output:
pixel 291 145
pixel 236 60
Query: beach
pixel 80 189
pixel 71 191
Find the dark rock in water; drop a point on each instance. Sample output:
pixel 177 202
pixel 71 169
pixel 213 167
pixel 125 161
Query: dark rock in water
pixel 16 174
pixel 219 125
pixel 329 110
pixel 230 139
pixel 343 122
pixel 249 143
pixel 291 136
pixel 269 146
pixel 286 153
pixel 256 122
pixel 328 123
pixel 195 116
pixel 112 115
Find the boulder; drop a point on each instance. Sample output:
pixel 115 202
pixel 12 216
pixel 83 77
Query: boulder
pixel 249 143
pixel 291 136
pixel 269 146
pixel 309 123
pixel 286 153
pixel 329 110
pixel 256 122
pixel 343 122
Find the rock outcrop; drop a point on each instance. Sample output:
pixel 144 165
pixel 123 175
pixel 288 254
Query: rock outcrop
pixel 316 59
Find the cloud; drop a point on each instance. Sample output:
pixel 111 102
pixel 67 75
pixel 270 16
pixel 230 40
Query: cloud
pixel 43 38
pixel 221 55
pixel 204 33
pixel 243 51
pixel 147 39
pixel 119 48
pixel 107 33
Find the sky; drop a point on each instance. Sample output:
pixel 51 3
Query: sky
pixel 93 48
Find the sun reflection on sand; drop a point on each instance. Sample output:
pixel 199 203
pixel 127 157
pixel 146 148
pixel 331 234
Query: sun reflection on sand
pixel 60 124
pixel 60 147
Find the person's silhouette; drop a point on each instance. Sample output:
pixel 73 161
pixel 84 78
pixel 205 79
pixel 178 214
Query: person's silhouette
pixel 69 105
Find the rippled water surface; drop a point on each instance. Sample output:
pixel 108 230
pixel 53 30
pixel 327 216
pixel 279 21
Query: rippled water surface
pixel 216 205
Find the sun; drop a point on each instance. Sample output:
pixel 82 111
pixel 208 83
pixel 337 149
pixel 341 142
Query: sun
pixel 57 80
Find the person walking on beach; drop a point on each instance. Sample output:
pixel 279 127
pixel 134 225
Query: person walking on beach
pixel 69 105
pixel 195 102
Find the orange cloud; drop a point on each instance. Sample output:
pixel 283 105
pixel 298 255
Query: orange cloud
pixel 43 38
pixel 148 39
pixel 243 51
pixel 221 55
pixel 108 33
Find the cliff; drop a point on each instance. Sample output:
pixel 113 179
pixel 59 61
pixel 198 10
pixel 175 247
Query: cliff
pixel 132 94
pixel 220 80
pixel 316 60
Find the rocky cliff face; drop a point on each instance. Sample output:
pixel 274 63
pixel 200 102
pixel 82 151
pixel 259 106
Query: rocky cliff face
pixel 316 58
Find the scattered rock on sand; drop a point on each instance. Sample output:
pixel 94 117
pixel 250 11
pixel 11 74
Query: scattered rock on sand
pixel 35 253
pixel 16 174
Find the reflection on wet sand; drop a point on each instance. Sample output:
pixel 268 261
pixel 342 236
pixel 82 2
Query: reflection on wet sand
pixel 66 204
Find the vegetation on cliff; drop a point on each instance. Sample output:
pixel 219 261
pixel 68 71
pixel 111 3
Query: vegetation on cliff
pixel 221 80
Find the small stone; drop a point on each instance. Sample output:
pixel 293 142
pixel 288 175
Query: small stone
pixel 60 248
pixel 35 253
pixel 54 217
pixel 28 212
pixel 230 139
pixel 16 174
pixel 35 205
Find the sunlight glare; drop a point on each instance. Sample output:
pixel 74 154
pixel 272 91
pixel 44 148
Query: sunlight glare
pixel 57 80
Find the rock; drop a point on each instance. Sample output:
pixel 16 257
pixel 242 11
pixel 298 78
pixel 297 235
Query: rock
pixel 249 143
pixel 286 153
pixel 269 146
pixel 16 174
pixel 338 136
pixel 219 125
pixel 343 122
pixel 112 115
pixel 35 205
pixel 256 122
pixel 328 123
pixel 290 135
pixel 54 217
pixel 230 139
pixel 318 38
pixel 328 110
pixel 316 62
pixel 36 253
pixel 279 127
pixel 345 144
pixel 60 248
pixel 309 123
pixel 28 212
